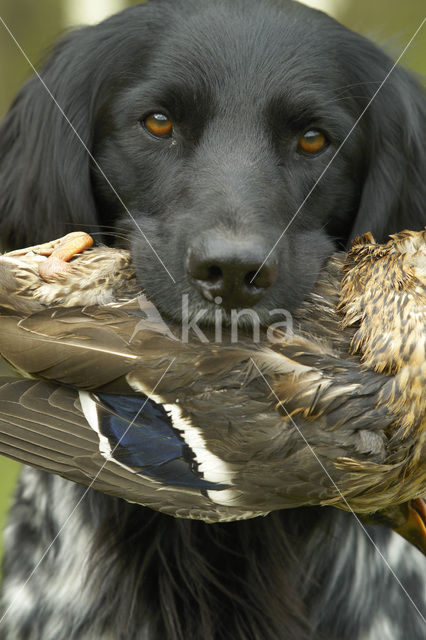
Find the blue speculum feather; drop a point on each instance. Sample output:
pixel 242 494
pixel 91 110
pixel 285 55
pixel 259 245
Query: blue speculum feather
pixel 142 436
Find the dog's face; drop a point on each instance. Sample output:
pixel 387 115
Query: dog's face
pixel 214 149
pixel 230 147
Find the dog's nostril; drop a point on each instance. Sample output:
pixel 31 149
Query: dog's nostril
pixel 250 279
pixel 263 277
pixel 214 274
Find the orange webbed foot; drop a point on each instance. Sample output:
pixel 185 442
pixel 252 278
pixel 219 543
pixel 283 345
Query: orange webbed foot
pixel 60 252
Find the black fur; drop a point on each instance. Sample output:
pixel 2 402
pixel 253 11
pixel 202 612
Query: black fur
pixel 242 81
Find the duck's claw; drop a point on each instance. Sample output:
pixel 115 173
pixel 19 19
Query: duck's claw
pixel 60 252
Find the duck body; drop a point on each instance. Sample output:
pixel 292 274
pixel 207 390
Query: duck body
pixel 113 398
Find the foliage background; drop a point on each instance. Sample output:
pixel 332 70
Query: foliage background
pixel 35 25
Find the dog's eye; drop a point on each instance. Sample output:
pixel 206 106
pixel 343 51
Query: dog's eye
pixel 312 141
pixel 159 125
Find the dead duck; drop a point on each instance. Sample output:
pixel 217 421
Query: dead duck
pixel 332 415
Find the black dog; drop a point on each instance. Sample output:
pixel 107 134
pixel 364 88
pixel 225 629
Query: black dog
pixel 203 132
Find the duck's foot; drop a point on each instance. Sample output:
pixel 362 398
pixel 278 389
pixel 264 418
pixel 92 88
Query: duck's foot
pixel 58 252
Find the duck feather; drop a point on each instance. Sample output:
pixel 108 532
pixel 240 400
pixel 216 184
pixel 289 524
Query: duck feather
pixel 332 415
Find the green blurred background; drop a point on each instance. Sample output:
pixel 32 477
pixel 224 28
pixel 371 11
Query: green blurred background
pixel 35 25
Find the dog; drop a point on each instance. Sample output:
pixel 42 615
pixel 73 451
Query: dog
pixel 233 146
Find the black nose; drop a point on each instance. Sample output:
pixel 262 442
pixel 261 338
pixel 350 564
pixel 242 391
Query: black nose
pixel 231 270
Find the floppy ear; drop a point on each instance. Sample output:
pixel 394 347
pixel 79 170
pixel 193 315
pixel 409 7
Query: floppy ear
pixel 44 167
pixel 47 136
pixel 394 191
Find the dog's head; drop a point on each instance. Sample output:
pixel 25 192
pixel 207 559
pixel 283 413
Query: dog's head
pixel 234 144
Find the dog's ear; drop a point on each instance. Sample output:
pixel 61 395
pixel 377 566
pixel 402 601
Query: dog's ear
pixel 46 139
pixel 44 162
pixel 394 191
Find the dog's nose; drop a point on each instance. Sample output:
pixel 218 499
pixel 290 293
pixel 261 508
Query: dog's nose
pixel 230 272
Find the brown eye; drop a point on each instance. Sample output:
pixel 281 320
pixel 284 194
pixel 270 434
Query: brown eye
pixel 159 125
pixel 312 141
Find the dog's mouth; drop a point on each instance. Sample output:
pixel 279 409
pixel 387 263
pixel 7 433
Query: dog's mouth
pixel 188 306
pixel 208 314
pixel 200 320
